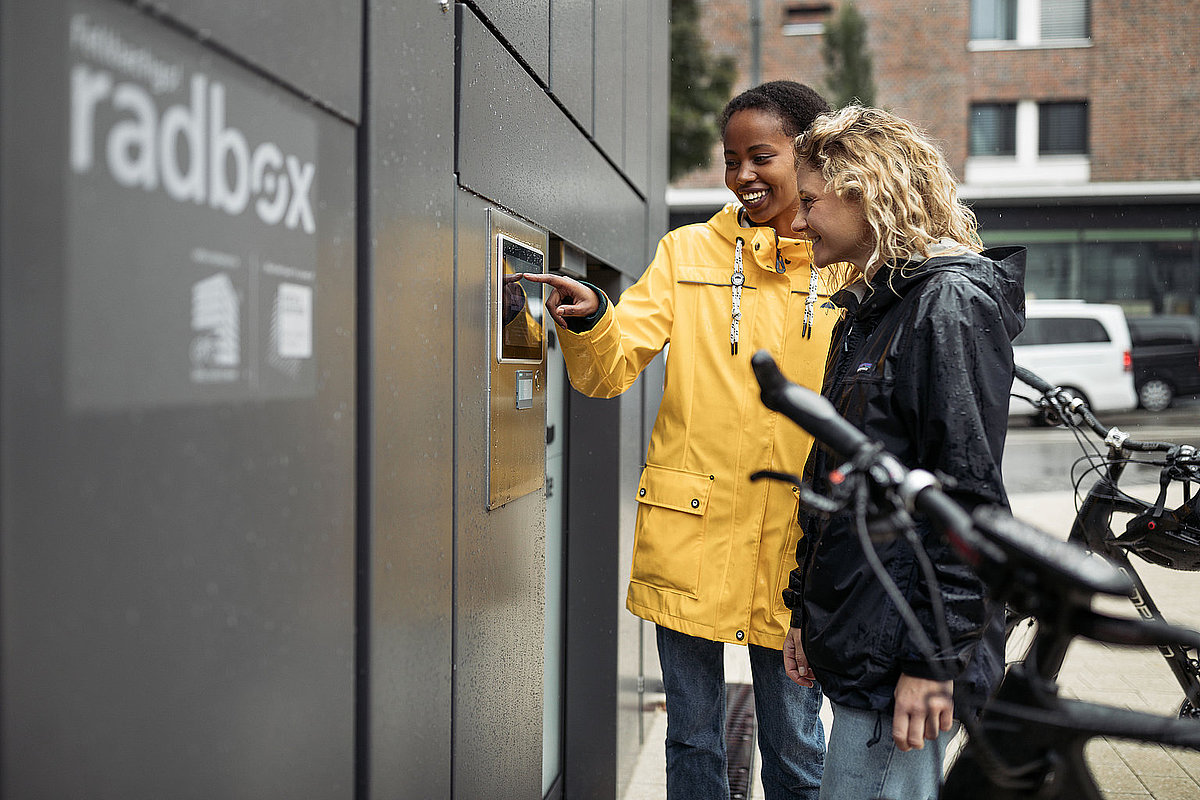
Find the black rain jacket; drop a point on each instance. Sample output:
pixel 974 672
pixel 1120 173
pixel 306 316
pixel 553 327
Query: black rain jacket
pixel 924 366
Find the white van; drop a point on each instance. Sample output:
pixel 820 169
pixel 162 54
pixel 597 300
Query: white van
pixel 1082 347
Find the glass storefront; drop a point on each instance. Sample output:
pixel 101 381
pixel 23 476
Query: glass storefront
pixel 1147 271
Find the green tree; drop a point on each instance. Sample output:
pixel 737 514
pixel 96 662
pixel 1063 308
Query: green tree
pixel 701 84
pixel 847 60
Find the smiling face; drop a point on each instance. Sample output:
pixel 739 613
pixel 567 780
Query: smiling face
pixel 835 225
pixel 760 168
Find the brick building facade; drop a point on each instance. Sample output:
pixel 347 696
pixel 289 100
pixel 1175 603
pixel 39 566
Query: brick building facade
pixel 1072 125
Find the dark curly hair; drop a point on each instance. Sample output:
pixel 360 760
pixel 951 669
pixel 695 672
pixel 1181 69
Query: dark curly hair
pixel 795 104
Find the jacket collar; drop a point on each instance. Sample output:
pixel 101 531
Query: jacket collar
pixel 727 224
pixel 999 271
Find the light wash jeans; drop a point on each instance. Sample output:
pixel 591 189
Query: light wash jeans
pixel 863 762
pixel 791 738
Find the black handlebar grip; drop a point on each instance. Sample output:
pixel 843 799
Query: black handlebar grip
pixel 1027 377
pixel 806 408
pixel 770 379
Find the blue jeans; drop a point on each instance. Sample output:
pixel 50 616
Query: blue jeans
pixel 790 735
pixel 863 762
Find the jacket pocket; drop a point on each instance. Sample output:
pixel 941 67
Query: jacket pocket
pixel 672 517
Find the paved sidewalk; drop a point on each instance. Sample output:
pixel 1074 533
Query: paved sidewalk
pixel 1133 678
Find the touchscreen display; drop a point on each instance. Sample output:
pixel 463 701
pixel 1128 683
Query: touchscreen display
pixel 520 335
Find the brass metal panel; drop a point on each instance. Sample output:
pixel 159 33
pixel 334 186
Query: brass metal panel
pixel 517 383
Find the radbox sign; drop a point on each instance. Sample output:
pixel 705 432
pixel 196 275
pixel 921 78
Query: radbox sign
pixel 192 199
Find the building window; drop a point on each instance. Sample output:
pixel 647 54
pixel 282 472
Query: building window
pixel 1065 19
pixel 1028 142
pixel 805 19
pixel 1003 24
pixel 994 19
pixel 1062 129
pixel 993 129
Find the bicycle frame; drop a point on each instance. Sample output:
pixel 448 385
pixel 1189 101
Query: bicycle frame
pixel 1092 528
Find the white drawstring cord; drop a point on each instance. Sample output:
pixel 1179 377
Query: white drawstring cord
pixel 736 281
pixel 806 330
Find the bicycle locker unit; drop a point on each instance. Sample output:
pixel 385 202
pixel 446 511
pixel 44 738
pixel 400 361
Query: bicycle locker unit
pixel 293 503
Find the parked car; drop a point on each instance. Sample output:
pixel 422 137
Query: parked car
pixel 1083 347
pixel 1166 359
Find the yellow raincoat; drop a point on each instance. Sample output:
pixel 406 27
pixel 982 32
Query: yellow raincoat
pixel 713 551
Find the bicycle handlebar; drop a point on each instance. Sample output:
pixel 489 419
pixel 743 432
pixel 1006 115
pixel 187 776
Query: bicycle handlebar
pixel 1060 400
pixel 1022 565
pixel 1012 557
pixel 806 408
pixel 1035 381
pixel 1026 568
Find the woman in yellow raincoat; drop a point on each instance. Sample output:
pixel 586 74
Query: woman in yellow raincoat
pixel 713 550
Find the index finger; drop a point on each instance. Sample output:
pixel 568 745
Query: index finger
pixel 540 277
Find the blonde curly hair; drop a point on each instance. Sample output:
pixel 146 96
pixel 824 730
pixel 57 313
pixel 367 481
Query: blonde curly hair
pixel 908 194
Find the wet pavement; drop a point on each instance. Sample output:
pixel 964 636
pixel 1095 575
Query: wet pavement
pixel 1041 458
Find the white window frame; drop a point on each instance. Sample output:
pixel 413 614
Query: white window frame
pixel 1029 33
pixel 808 28
pixel 803 28
pixel 1027 166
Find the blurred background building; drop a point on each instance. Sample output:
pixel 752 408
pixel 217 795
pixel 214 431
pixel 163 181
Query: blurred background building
pixel 1071 124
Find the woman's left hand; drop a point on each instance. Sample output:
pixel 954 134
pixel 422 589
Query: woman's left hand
pixel 924 708
pixel 794 662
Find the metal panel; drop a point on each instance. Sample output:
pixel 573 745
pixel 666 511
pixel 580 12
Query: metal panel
pixel 609 130
pixel 659 124
pixel 593 610
pixel 637 77
pixel 315 46
pixel 517 148
pixel 630 458
pixel 177 570
pixel 602 700
pixel 572 49
pixel 410 436
pixel 525 26
pixel 499 561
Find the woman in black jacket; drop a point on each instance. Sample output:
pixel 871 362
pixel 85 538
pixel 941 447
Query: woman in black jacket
pixel 922 362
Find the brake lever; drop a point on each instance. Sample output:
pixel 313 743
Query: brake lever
pixel 773 475
pixel 1050 409
pixel 818 504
